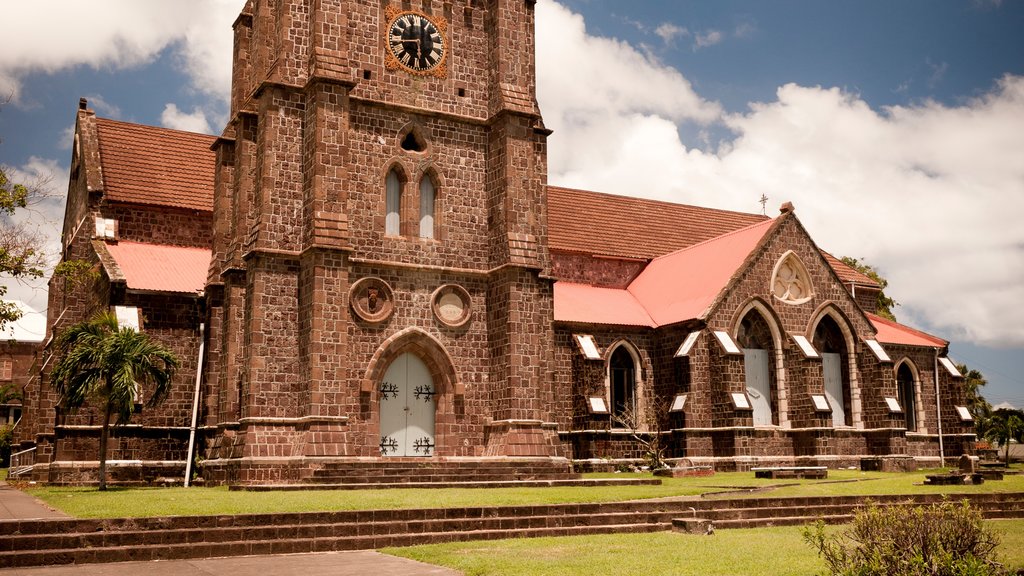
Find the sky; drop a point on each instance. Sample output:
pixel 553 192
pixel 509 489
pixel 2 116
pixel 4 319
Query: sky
pixel 895 128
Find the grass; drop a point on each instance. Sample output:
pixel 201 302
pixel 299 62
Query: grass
pixel 87 502
pixel 756 551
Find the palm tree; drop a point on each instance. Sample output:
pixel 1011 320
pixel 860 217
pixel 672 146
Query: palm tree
pixel 106 363
pixel 1004 426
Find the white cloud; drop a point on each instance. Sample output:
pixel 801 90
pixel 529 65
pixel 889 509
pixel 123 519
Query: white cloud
pixel 706 38
pixel 55 36
pixel 929 194
pixel 190 122
pixel 103 107
pixel 668 32
pixel 43 218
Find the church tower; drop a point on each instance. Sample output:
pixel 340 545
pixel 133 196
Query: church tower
pixel 379 286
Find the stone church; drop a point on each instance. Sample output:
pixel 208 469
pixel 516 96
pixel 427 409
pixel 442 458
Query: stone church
pixel 368 268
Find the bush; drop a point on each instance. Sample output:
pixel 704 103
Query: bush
pixel 943 539
pixel 6 439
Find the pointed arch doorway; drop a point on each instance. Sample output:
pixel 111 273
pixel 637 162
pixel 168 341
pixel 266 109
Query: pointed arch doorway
pixel 408 403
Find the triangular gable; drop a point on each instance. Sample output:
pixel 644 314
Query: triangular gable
pixel 814 257
pixel 683 285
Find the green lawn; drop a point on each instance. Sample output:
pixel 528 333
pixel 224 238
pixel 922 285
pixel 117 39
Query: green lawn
pixel 87 502
pixel 757 551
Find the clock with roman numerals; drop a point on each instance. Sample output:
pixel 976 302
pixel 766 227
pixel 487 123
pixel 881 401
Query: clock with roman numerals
pixel 416 42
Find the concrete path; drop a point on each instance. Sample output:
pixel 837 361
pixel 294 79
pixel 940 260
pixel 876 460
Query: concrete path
pixel 17 505
pixel 359 563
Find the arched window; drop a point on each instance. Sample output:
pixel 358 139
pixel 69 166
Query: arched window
pixel 427 207
pixel 829 341
pixel 906 388
pixel 622 381
pixel 755 337
pixel 393 210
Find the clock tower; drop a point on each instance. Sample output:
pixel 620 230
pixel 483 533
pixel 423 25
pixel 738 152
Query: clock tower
pixel 379 287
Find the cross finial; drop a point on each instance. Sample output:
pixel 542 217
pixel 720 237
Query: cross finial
pixel 764 202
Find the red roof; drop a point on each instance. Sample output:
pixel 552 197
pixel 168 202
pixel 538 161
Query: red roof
pixel 159 268
pixel 594 305
pixel 608 225
pixel 156 166
pixel 890 332
pixel 682 285
pixel 673 288
pixel 847 274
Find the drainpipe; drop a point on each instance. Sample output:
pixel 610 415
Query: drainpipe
pixel 195 409
pixel 938 410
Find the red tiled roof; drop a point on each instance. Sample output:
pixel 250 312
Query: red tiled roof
pixel 847 274
pixel 594 305
pixel 608 225
pixel 682 285
pixel 159 268
pixel 156 166
pixel 890 332
pixel 673 288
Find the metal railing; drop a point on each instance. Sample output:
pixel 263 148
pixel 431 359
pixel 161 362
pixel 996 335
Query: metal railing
pixel 22 462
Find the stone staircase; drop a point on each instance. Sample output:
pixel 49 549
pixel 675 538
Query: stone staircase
pixel 760 512
pixel 441 473
pixel 49 542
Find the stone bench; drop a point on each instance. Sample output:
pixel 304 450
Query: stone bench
pixel 809 472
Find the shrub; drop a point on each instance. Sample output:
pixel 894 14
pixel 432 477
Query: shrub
pixel 944 539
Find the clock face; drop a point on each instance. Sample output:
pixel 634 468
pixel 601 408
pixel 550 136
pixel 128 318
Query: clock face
pixel 416 42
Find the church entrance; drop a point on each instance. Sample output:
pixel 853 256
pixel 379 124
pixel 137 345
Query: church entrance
pixel 407 406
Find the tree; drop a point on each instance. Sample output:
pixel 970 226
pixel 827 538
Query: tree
pixel 646 431
pixel 21 246
pixel 885 305
pixel 974 381
pixel 106 363
pixel 1006 425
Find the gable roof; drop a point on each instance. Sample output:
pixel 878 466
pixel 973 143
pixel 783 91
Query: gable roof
pixel 156 166
pixel 623 226
pixel 673 288
pixel 889 332
pixel 156 267
pixel 682 285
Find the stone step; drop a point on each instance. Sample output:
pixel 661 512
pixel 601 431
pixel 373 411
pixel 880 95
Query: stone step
pixel 392 478
pixel 450 484
pixel 119 538
pixel 35 542
pixel 253 544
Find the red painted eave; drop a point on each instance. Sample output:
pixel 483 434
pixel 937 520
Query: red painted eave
pixel 890 332
pixel 160 268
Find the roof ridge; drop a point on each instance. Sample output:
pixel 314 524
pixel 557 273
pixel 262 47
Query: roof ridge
pixel 152 127
pixel 715 239
pixel 656 201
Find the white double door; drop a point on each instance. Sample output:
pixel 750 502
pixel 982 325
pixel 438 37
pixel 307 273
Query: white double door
pixel 408 401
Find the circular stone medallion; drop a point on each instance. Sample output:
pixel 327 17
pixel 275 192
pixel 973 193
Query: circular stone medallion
pixel 372 299
pixel 451 305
